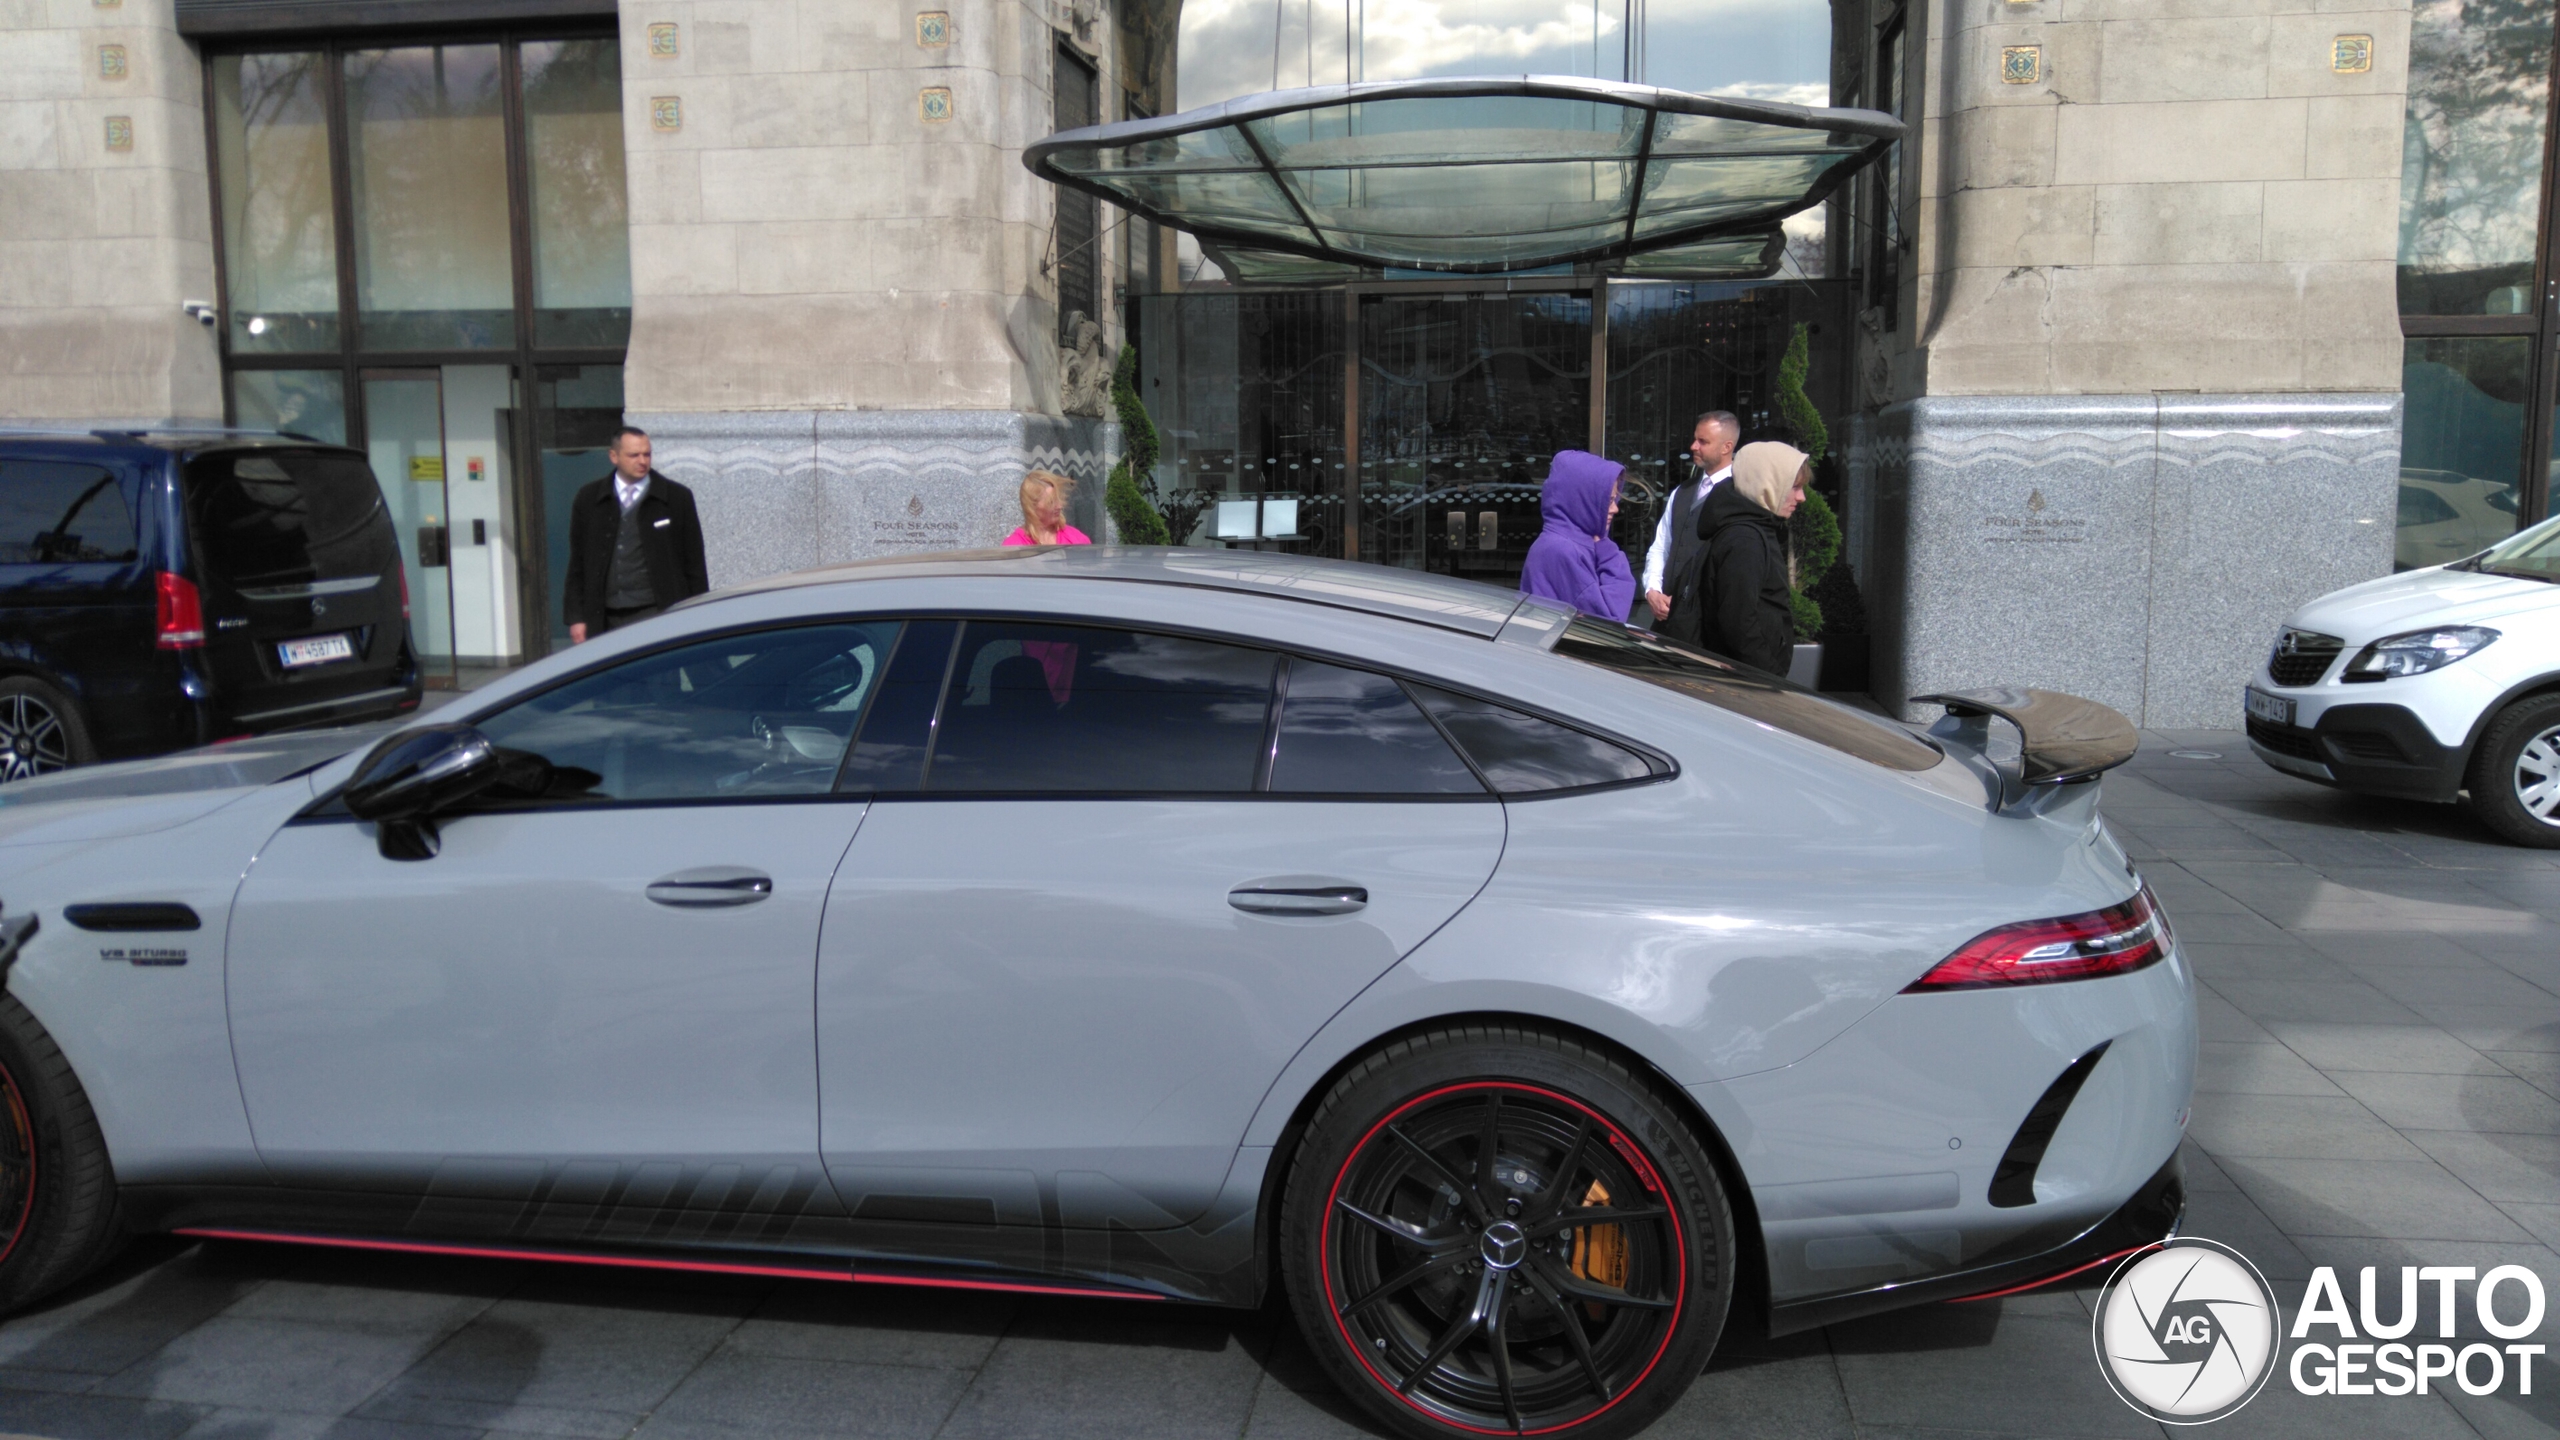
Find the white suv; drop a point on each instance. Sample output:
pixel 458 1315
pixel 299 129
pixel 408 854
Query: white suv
pixel 2428 684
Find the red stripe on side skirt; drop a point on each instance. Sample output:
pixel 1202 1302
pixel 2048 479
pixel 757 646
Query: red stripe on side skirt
pixel 2049 1279
pixel 635 1262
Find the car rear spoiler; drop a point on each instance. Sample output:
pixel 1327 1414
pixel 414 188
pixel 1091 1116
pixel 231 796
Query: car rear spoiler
pixel 2063 741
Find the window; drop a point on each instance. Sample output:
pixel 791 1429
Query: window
pixel 59 514
pixel 287 517
pixel 1076 103
pixel 1763 699
pixel 1348 732
pixel 899 729
pixel 742 716
pixel 1075 708
pixel 1523 754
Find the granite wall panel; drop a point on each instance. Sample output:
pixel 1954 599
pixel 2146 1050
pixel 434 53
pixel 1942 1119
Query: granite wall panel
pixel 2139 550
pixel 784 490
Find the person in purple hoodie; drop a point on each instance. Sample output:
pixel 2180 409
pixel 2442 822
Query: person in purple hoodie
pixel 1573 561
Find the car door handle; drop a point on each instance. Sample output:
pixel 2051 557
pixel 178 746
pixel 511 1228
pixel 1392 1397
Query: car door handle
pixel 1264 898
pixel 710 887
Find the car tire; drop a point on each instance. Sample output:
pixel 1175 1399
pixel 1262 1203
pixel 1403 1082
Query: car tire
pixel 41 730
pixel 2515 773
pixel 57 1191
pixel 1403 1234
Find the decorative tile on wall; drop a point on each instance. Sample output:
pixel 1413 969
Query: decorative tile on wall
pixel 933 29
pixel 662 40
pixel 111 62
pixel 2351 54
pixel 2021 64
pixel 933 104
pixel 120 133
pixel 666 113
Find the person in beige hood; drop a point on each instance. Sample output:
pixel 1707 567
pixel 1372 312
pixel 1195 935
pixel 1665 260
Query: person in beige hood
pixel 1742 589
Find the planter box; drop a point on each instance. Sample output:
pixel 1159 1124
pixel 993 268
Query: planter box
pixel 1844 664
pixel 1806 668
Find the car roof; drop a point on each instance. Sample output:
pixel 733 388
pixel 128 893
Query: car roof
pixel 170 439
pixel 1468 606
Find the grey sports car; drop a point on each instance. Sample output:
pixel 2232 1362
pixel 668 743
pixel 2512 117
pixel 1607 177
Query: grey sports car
pixel 1527 997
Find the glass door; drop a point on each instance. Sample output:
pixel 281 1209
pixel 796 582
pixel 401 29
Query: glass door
pixel 1464 398
pixel 404 438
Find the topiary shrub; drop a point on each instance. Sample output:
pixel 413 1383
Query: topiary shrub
pixel 1133 515
pixel 1813 535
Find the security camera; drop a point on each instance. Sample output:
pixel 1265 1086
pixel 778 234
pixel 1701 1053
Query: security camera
pixel 205 312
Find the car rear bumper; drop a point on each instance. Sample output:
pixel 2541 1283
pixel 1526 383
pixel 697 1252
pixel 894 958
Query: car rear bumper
pixel 2153 1214
pixel 375 704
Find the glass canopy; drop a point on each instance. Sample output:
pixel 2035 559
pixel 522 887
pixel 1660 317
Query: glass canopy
pixel 1474 175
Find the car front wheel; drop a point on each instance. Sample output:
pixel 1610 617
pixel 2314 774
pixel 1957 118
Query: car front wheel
pixel 1491 1229
pixel 57 1191
pixel 2515 772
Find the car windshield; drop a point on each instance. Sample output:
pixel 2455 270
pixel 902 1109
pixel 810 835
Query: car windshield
pixel 1751 694
pixel 2532 554
pixel 287 517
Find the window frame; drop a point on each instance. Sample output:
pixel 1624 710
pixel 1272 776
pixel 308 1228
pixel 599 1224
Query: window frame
pixel 328 807
pixel 1662 766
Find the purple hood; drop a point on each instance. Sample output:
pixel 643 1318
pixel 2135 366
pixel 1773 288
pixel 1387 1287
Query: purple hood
pixel 1574 562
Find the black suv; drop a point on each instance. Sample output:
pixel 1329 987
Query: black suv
pixel 159 591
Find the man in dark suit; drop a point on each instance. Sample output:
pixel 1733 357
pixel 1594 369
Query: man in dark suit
pixel 635 544
pixel 1671 566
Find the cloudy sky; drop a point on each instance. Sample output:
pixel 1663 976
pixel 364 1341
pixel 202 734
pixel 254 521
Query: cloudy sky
pixel 1771 49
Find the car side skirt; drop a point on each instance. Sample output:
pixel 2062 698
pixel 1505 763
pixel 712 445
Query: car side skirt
pixel 1211 1262
pixel 2153 1214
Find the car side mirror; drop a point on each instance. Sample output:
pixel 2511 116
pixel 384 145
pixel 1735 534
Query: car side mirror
pixel 411 777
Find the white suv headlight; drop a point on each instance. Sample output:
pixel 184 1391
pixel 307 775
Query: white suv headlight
pixel 2418 652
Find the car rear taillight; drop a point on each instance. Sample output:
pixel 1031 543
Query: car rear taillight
pixel 181 613
pixel 403 573
pixel 2114 941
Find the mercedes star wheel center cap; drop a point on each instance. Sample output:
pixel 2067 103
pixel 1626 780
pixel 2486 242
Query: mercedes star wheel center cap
pixel 1505 1244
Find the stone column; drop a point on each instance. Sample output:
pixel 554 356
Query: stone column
pixel 106 221
pixel 844 324
pixel 2144 395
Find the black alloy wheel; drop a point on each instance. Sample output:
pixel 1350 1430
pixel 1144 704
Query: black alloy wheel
pixel 1503 1254
pixel 57 1191
pixel 17 1165
pixel 40 730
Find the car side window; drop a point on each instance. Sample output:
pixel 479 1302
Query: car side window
pixel 1050 708
pixel 61 513
pixel 759 714
pixel 1522 754
pixel 1351 732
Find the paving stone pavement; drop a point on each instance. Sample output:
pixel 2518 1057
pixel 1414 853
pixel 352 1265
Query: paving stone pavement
pixel 2380 1085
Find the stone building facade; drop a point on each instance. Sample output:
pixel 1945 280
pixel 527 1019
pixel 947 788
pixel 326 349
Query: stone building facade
pixel 2130 362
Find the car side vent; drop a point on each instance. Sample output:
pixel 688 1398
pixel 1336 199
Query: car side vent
pixel 2013 1183
pixel 133 915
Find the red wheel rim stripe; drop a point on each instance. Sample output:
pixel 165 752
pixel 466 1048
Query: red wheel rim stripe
pixel 26 1126
pixel 1628 1149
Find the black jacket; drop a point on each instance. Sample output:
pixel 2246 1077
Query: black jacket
pixel 670 536
pixel 1742 583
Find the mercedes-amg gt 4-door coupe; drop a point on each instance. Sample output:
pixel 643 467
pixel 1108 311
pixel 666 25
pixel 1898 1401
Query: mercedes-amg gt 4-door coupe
pixel 1529 998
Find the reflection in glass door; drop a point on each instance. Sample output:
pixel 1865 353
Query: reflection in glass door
pixel 404 434
pixel 1464 398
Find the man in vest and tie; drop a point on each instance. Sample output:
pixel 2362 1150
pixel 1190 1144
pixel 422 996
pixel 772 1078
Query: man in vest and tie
pixel 635 544
pixel 1671 566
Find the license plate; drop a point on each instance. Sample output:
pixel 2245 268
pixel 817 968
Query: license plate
pixel 318 650
pixel 2274 709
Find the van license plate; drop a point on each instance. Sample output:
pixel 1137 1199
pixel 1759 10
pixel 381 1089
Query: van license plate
pixel 2274 709
pixel 318 650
